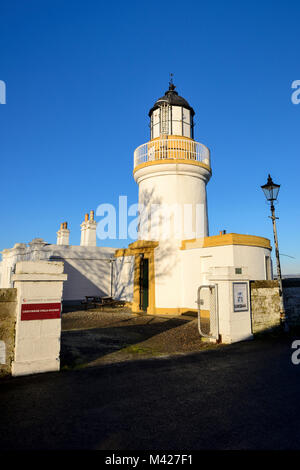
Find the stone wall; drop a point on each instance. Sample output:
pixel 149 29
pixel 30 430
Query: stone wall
pixel 291 297
pixel 265 308
pixel 8 304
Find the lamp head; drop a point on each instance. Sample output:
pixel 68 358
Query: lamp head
pixel 271 189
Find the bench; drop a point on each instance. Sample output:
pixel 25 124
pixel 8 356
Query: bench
pixel 95 301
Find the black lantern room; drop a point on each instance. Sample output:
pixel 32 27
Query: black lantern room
pixel 171 115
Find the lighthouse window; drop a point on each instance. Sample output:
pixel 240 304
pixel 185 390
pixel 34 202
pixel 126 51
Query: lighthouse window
pixel 155 124
pixel 186 116
pixel 176 120
pixel 186 130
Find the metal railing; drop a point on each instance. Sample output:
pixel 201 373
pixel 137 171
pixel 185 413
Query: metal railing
pixel 207 300
pixel 175 149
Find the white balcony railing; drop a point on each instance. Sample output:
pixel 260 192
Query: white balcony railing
pixel 174 149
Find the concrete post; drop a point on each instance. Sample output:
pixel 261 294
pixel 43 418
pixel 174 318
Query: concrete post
pixel 38 323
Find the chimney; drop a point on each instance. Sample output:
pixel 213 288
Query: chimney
pixel 88 230
pixel 63 234
pixel 83 227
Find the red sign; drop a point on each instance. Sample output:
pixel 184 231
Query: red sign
pixel 40 311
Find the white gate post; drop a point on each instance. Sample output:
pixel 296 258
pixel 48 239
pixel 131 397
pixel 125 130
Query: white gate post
pixel 38 324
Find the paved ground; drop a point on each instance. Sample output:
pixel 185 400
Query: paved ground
pixel 100 337
pixel 242 396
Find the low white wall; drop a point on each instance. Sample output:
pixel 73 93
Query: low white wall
pixel 88 268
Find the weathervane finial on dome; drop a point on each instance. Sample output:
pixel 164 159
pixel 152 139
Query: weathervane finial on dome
pixel 171 84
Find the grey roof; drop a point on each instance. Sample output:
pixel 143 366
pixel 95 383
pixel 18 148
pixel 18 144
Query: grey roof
pixel 171 97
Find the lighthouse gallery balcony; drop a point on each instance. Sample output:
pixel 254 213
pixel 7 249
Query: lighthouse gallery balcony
pixel 174 149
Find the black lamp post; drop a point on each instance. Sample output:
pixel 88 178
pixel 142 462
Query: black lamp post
pixel 271 191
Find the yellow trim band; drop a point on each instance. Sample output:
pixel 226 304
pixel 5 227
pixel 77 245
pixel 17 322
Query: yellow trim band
pixel 226 239
pixel 137 247
pixel 172 137
pixel 172 160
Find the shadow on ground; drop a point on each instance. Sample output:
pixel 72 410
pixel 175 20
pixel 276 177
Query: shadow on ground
pixel 82 347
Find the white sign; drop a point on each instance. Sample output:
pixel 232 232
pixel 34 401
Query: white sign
pixel 2 353
pixel 240 297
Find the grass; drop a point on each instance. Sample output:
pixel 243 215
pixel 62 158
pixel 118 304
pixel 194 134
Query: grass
pixel 135 349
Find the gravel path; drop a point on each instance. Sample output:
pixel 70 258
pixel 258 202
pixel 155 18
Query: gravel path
pixel 96 337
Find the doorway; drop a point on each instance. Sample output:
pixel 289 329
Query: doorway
pixel 144 284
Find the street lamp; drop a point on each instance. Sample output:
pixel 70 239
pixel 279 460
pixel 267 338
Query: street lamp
pixel 271 191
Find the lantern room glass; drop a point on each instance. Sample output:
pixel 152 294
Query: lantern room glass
pixel 271 189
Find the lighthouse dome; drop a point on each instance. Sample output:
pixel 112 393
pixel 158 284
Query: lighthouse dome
pixel 172 98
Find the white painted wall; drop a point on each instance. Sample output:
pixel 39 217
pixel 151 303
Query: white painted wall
pixel 174 184
pixel 179 273
pixel 88 268
pixel 123 278
pixel 168 285
pixel 197 263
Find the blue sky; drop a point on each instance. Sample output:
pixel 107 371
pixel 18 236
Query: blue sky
pixel 81 77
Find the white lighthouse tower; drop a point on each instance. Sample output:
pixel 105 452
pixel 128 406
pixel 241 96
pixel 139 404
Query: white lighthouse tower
pixel 174 255
pixel 172 171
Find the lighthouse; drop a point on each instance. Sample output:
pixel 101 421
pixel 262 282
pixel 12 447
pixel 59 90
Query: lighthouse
pixel 172 171
pixel 174 255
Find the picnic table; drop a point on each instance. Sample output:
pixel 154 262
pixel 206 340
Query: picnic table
pixel 96 301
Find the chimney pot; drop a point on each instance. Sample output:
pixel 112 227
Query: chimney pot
pixel 91 215
pixel 86 217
